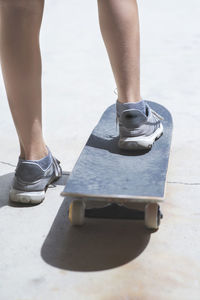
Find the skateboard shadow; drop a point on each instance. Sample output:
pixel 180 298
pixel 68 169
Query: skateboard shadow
pixel 98 245
pixel 111 145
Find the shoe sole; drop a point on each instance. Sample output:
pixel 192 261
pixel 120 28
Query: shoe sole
pixel 140 142
pixel 26 197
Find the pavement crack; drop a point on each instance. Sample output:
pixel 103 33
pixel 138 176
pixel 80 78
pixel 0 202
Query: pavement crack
pixel 184 183
pixel 5 163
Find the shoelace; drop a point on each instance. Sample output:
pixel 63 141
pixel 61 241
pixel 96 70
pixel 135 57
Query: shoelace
pixel 157 115
pixel 57 170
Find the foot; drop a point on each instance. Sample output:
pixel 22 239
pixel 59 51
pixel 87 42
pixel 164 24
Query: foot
pixel 32 178
pixel 139 125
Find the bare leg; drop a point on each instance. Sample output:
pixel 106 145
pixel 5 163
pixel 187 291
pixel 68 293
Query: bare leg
pixel 119 24
pixel 20 22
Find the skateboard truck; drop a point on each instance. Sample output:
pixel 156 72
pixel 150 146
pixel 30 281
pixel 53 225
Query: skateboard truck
pixel 114 211
pixel 78 212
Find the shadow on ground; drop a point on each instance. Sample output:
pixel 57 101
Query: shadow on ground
pixel 98 245
pixel 5 184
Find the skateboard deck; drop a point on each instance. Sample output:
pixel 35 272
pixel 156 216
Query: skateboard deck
pixel 103 172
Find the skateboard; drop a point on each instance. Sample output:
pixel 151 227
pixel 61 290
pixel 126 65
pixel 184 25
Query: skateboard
pixel 107 182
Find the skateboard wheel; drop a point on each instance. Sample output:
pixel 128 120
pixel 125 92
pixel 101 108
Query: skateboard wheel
pixel 152 216
pixel 77 213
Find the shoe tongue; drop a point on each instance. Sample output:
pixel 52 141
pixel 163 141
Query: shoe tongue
pixel 140 105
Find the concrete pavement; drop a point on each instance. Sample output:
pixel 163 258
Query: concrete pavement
pixel 41 256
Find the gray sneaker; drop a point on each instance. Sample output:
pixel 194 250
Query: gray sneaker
pixel 32 179
pixel 138 128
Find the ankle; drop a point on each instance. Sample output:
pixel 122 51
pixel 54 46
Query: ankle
pixel 123 99
pixel 36 153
